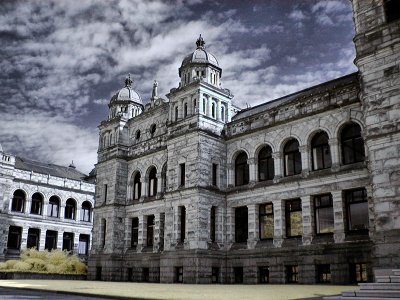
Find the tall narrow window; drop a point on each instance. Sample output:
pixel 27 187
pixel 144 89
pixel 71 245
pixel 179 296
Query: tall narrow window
pixel 266 221
pixel 323 207
pixel 150 230
pixel 135 232
pixel 241 224
pixel 214 174
pixel 292 274
pixel 357 210
pixel 51 240
pixel 204 105
pixel 18 201
pixel 105 192
pixel 213 110
pixel 358 272
pixel 152 182
pixel 323 273
pixel 263 274
pixel 241 170
pixel 183 223
pixel 164 178
pixel 214 275
pixel 86 211
pixel 37 204
pixel 83 246
pixel 103 231
pixel 195 105
pixel 53 207
pixel 292 158
pixel 265 164
pixel 212 224
pixel 182 172
pixel 352 144
pixel 70 208
pixel 176 113
pixel 179 274
pixel 185 110
pixel 68 241
pixel 33 238
pixel 294 221
pixel 222 113
pixel 392 10
pixel 14 237
pixel 238 274
pixel 137 187
pixel 320 151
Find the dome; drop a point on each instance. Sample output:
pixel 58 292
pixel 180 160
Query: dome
pixel 127 93
pixel 200 55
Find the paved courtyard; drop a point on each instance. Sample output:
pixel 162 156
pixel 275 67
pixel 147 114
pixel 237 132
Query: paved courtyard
pixel 131 290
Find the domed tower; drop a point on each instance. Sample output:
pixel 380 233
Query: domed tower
pixel 126 103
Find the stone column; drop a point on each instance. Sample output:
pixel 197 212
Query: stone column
pixel 62 212
pixel 279 223
pixel 44 207
pixel 78 214
pixel 334 148
pixel 252 169
pixel 230 226
pixel 159 184
pixel 60 239
pixel 277 156
pixel 142 233
pixel 27 207
pixel 75 246
pixel 304 160
pixel 209 107
pixel 338 215
pixel 177 227
pixel 253 221
pixel 218 112
pixel 145 187
pixel 307 213
pixel 231 174
pixel 42 239
pixel 156 244
pixel 24 237
pixel 200 103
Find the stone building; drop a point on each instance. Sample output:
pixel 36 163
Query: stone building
pixel 304 188
pixel 45 206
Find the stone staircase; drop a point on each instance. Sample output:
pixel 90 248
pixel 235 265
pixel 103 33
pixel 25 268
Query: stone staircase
pixel 386 287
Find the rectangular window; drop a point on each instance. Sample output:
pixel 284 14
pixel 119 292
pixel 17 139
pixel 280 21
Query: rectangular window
pixel 129 274
pixel 105 193
pixel 294 222
pixel 292 274
pixel 183 223
pixel 103 232
pixel 145 274
pixel 179 274
pixel 323 273
pixel 68 241
pixel 214 174
pixel 238 273
pixel 263 274
pixel 323 207
pixel 358 272
pixel 150 230
pixel 214 275
pixel 241 224
pixel 51 240
pixel 357 210
pixel 33 238
pixel 266 221
pixel 135 232
pixel 14 238
pixel 392 10
pixel 98 273
pixel 83 247
pixel 182 174
pixel 212 224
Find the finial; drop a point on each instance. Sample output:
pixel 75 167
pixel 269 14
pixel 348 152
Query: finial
pixel 128 81
pixel 72 165
pixel 200 42
pixel 154 94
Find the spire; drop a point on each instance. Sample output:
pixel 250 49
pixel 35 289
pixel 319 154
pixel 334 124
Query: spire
pixel 128 81
pixel 200 42
pixel 154 94
pixel 72 166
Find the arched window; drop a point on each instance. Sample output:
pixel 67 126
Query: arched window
pixel 265 164
pixel 70 208
pixel 292 159
pixel 37 204
pixel 18 201
pixel 241 170
pixel 86 211
pixel 185 110
pixel 54 207
pixel 164 177
pixel 137 187
pixel 213 110
pixel 152 182
pixel 222 113
pixel 352 144
pixel 176 113
pixel 320 151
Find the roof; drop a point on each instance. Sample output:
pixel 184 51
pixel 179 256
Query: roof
pixel 341 81
pixel 48 169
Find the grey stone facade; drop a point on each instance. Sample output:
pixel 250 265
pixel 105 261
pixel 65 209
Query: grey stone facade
pixel 252 196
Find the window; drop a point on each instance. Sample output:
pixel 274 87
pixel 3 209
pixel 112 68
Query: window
pixel 103 230
pixel 294 224
pixel 392 10
pixel 320 151
pixel 98 273
pixel 292 158
pixel 153 128
pixel 263 274
pixel 214 174
pixel 137 187
pixel 69 212
pixel 214 275
pixel 241 169
pixel 176 113
pixel 323 273
pixel 241 224
pixel 51 240
pixel 292 274
pixel 135 232
pixel 137 134
pixel 33 238
pixel 266 221
pixel 152 182
pixel 105 192
pixel 265 164
pixel 212 224
pixel 323 207
pixel 222 113
pixel 357 210
pixel 179 274
pixel 164 178
pixel 18 201
pixel 83 246
pixel 204 105
pixel 54 207
pixel 238 273
pixel 14 237
pixel 183 223
pixel 37 203
pixel 145 274
pixel 182 174
pixel 213 110
pixel 130 274
pixel 150 230
pixel 86 211
pixel 195 105
pixel 68 241
pixel 358 272
pixel 352 144
pixel 185 110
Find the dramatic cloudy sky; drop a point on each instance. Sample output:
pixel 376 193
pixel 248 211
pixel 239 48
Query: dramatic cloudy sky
pixel 61 60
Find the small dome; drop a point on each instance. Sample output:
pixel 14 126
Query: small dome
pixel 200 55
pixel 127 93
